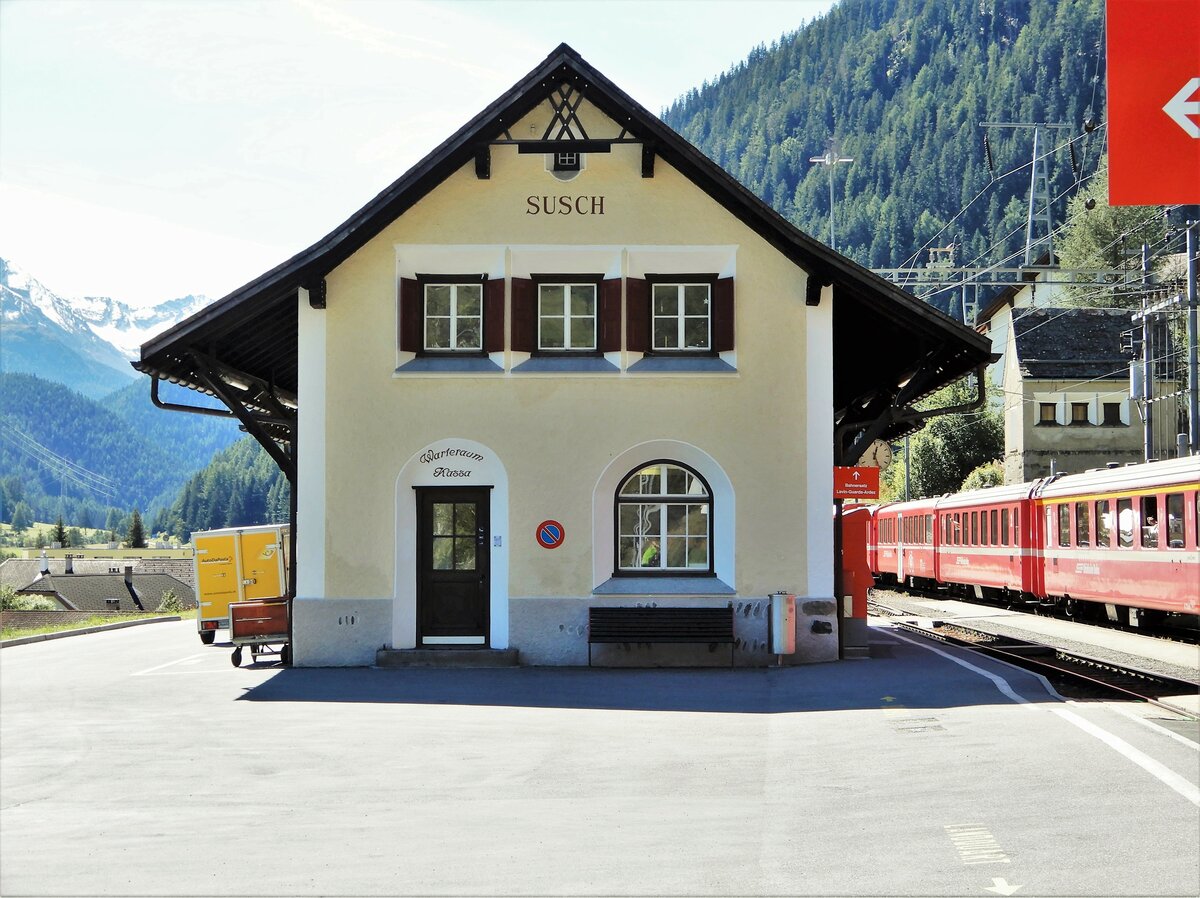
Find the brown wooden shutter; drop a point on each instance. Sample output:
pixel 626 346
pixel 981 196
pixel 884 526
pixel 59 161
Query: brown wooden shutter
pixel 609 315
pixel 493 315
pixel 524 315
pixel 722 315
pixel 637 315
pixel 412 314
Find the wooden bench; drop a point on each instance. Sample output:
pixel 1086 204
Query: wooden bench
pixel 713 626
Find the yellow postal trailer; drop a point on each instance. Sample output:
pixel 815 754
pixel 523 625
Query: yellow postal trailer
pixel 234 565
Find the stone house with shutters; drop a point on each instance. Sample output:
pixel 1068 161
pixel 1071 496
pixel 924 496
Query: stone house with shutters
pixel 1066 392
pixel 566 361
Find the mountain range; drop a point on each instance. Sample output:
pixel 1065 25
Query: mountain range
pixel 85 343
pixel 79 436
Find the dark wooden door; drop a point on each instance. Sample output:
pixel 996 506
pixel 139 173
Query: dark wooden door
pixel 453 586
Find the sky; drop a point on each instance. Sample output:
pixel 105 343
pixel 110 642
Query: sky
pixel 151 149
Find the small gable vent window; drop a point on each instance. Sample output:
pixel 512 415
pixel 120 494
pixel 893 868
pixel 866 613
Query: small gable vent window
pixel 565 166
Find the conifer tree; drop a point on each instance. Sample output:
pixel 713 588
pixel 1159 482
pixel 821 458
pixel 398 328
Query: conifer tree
pixel 136 537
pixel 59 534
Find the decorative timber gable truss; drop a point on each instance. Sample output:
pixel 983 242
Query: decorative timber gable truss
pixel 890 349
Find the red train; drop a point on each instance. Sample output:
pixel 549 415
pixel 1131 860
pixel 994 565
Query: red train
pixel 1120 543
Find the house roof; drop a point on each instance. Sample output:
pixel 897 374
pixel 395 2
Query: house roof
pixel 243 347
pixel 1070 343
pixel 93 592
pixel 18 573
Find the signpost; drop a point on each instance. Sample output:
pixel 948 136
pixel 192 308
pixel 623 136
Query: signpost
pixel 1153 102
pixel 855 483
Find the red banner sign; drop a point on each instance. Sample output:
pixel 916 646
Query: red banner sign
pixel 1153 102
pixel 855 483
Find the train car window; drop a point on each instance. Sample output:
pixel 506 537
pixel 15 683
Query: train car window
pixel 1175 521
pixel 929 529
pixel 983 528
pixel 1149 521
pixel 1103 524
pixel 1064 525
pixel 974 528
pixel 1016 540
pixel 995 530
pixel 1126 523
pixel 1004 526
pixel 957 535
pixel 1082 524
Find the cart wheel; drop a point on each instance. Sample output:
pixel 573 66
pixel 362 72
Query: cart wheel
pixel 237 657
pixel 208 637
pixel 285 654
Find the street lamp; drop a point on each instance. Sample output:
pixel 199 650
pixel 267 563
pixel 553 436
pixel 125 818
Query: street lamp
pixel 829 160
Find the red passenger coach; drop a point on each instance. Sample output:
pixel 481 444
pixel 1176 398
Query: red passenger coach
pixel 1119 542
pixel 904 542
pixel 1124 538
pixel 987 542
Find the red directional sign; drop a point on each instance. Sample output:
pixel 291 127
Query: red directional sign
pixel 1153 102
pixel 855 483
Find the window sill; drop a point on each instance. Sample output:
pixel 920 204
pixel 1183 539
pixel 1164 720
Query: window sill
pixel 564 365
pixel 664 586
pixel 658 364
pixel 443 364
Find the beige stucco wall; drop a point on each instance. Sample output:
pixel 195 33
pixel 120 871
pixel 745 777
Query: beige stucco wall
pixel 555 435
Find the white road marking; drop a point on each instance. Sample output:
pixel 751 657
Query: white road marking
pixel 975 845
pixel 190 659
pixel 1165 775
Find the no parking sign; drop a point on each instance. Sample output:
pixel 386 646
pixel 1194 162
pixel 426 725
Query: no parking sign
pixel 550 534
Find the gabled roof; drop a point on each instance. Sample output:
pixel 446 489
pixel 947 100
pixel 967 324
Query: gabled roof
pixel 252 332
pixel 1071 343
pixel 18 573
pixel 93 592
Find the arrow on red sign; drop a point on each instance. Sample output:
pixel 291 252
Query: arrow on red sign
pixel 1180 106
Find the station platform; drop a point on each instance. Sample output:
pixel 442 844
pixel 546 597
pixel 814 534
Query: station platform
pixel 1157 655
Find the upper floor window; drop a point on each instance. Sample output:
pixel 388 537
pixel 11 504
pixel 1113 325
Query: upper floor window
pixel 567 317
pixel 1047 413
pixel 679 314
pixel 1112 414
pixel 454 317
pixel 680 317
pixel 664 521
pixel 1079 413
pixel 451 314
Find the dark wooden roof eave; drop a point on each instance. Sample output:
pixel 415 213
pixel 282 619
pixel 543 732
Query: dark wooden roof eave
pixel 854 284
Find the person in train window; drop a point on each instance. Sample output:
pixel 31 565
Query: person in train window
pixel 1150 533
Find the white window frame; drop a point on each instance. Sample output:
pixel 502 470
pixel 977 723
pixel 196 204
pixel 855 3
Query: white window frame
pixel 453 317
pixel 662 502
pixel 565 287
pixel 680 316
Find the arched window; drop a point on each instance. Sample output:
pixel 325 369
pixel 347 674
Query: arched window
pixel 664 521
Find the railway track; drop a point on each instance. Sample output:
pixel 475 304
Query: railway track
pixel 1072 674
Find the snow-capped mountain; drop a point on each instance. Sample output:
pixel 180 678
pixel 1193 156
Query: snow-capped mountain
pixel 85 343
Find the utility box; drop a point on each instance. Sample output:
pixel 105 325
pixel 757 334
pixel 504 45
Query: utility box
pixel 783 623
pixel 237 564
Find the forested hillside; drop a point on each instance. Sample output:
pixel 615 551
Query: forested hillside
pixel 193 438
pixel 902 86
pixel 61 452
pixel 242 485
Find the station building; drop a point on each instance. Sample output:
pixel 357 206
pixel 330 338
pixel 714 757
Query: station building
pixel 565 361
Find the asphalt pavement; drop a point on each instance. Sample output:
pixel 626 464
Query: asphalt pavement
pixel 140 762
